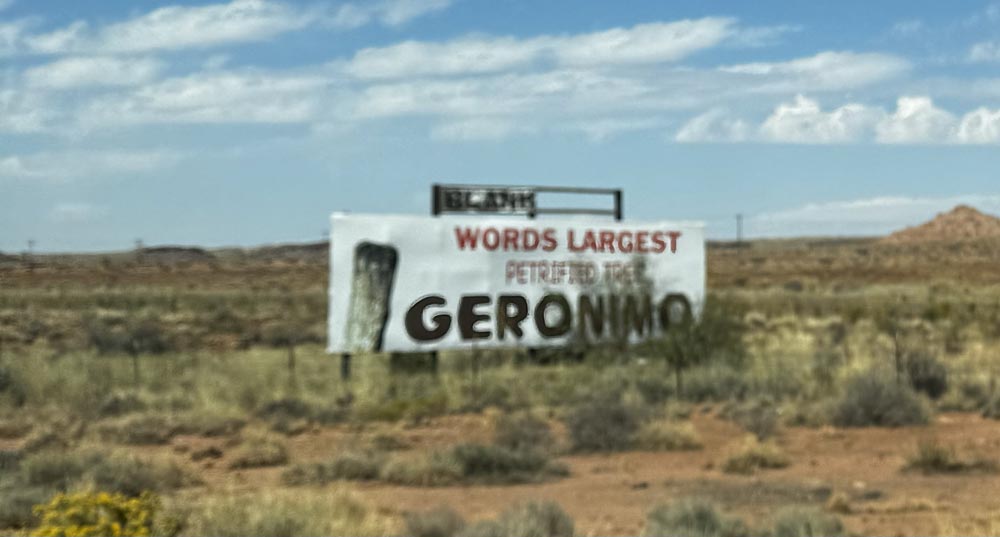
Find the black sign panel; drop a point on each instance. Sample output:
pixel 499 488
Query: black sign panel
pixel 456 199
pixel 490 199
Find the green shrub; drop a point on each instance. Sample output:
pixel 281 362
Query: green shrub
pixel 348 466
pixel 872 400
pixel 806 522
pixel 692 518
pixel 754 455
pixel 523 432
pixel 602 423
pixel 933 458
pixel 56 469
pixel 439 522
pixel 926 374
pixel 758 416
pixel 119 404
pixel 667 436
pixel 260 452
pixel 274 515
pixel 15 427
pixel 534 519
pixel 497 464
pixel 146 429
pixel 425 470
pixel 132 476
pixel 10 460
pixel 17 505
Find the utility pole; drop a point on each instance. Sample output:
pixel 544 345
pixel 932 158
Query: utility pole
pixel 31 255
pixel 739 229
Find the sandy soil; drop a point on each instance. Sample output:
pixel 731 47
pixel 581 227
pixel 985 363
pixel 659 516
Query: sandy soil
pixel 610 494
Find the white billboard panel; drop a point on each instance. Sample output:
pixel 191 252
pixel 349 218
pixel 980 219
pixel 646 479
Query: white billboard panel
pixel 405 283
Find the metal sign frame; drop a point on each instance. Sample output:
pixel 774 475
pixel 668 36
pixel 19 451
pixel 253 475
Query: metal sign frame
pixel 440 191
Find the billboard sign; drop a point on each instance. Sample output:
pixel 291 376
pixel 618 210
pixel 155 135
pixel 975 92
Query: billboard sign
pixel 403 283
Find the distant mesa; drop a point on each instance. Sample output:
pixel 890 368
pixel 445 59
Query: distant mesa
pixel 959 224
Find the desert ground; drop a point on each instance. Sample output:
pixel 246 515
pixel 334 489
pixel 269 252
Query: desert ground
pixel 835 386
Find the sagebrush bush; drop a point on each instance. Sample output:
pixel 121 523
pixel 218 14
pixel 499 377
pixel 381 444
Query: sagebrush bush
pixel 472 463
pixel 56 469
pixel 692 518
pixel 926 374
pixel 439 522
pixel 497 464
pixel 136 430
pixel 260 451
pixel 602 423
pixel 97 514
pixel 873 400
pixel 523 432
pixel 758 416
pixel 274 515
pixel 17 505
pixel 754 455
pixel 119 404
pixel 349 466
pixel 435 469
pixel 806 522
pixel 933 458
pixel 131 476
pixel 533 519
pixel 667 436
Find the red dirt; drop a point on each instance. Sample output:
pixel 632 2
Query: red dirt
pixel 610 494
pixel 961 223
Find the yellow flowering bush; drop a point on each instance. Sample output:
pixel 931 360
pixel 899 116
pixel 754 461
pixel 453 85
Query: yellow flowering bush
pixel 96 514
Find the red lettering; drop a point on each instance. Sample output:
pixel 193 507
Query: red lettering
pixel 625 244
pixel 491 239
pixel 549 238
pixel 661 244
pixel 641 238
pixel 674 235
pixel 466 238
pixel 607 241
pixel 510 239
pixel 531 239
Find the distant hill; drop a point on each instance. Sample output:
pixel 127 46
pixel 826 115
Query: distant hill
pixel 961 223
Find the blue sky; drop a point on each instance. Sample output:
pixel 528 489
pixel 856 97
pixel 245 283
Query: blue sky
pixel 249 121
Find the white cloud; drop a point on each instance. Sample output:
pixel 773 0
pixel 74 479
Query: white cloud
pixel 67 165
pixel 4 4
pixel 643 43
pixel 75 212
pixel 177 27
pixel 803 121
pixel 907 28
pixel 829 70
pixel 93 71
pixel 871 216
pixel 22 112
pixel 713 126
pixel 986 51
pixel 10 37
pixel 397 12
pixel 981 126
pixel 477 129
pixel 916 121
pixel 237 21
pixel 462 56
pixel 387 12
pixel 223 97
pixel 601 129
